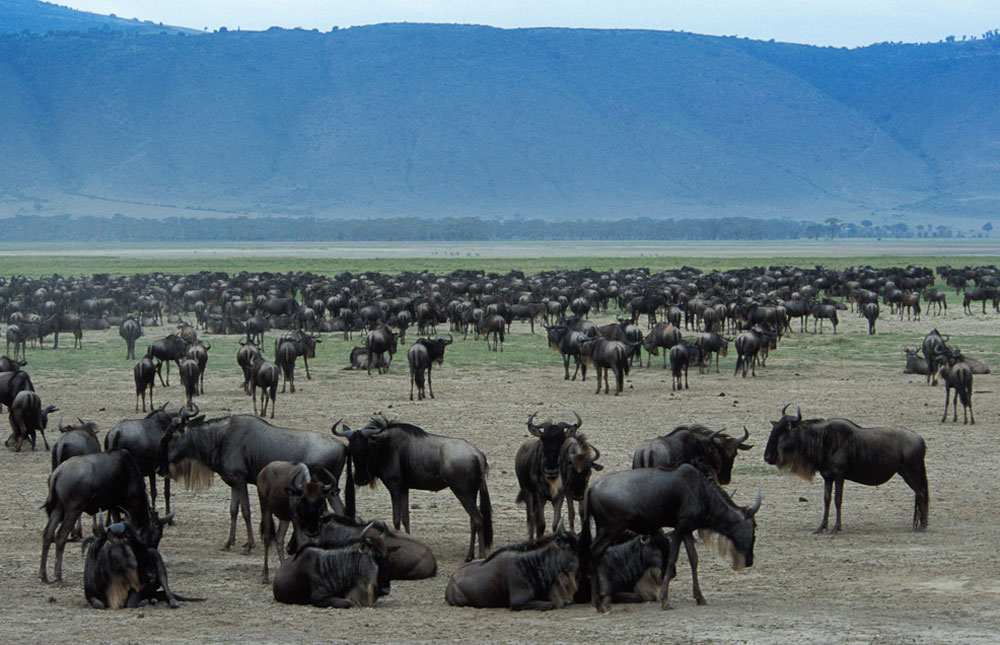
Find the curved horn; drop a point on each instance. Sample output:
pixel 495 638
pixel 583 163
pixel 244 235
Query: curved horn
pixel 61 427
pixel 573 429
pixel 715 434
pixel 746 435
pixel 368 527
pixel 597 454
pixel 532 428
pixel 346 433
pixel 301 477
pixel 799 413
pixel 451 339
pixel 756 506
pixel 329 475
pixel 784 408
pixel 167 519
pixel 82 422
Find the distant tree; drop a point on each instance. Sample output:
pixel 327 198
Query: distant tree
pixel 834 225
pixel 987 227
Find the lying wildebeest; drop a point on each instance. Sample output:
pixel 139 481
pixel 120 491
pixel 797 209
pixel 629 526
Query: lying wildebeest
pixel 839 449
pixel 238 447
pixel 286 491
pixel 689 444
pixel 87 484
pixel 141 437
pixel 144 374
pixel 646 499
pixel 567 342
pixel 547 466
pixel 870 313
pixel 172 348
pixel 606 356
pixel 956 374
pixel 264 375
pixel 378 343
pixel 246 356
pixel 662 335
pixel 915 363
pixel 409 558
pixel 421 356
pixel 123 568
pixel 346 577
pixel 634 570
pixel 358 359
pixel 404 456
pixel 537 574
pixel 932 347
pixel 130 330
pixel 27 416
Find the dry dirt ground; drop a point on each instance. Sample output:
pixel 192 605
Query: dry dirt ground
pixel 877 581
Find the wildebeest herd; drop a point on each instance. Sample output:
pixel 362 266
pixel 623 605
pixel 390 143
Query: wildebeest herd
pixel 679 474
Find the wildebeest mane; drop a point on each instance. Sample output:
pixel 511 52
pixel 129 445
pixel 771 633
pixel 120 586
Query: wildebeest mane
pixel 382 423
pixel 196 475
pixel 523 547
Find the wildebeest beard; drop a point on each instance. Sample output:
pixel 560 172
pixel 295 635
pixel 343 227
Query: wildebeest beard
pixel 797 464
pixel 725 547
pixel 196 475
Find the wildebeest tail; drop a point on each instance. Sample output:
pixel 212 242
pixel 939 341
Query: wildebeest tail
pixel 418 378
pixel 485 507
pixel 349 505
pixel 585 537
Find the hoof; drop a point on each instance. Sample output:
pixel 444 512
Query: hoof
pixel 702 602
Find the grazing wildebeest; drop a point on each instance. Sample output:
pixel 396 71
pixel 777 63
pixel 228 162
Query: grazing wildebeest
pixel 564 340
pixel 141 437
pixel 238 447
pixel 246 356
pixel 691 444
pixel 421 356
pixel 933 346
pixel 378 343
pixel 606 356
pixel 87 484
pixel 198 352
pixel 711 343
pixel 27 416
pixel 870 313
pixel 172 348
pixel 956 374
pixel 493 324
pixel 189 379
pixel 840 449
pixel 409 558
pixel 646 499
pixel 537 574
pixel 662 335
pixel 545 467
pixel 404 456
pixel 265 375
pixel 634 570
pixel 286 491
pixel 130 330
pixel 350 576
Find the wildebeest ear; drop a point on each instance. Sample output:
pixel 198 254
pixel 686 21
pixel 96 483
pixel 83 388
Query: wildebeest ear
pixel 597 466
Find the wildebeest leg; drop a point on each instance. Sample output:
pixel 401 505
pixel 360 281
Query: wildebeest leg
pixel 565 358
pixel 47 538
pixel 619 380
pixel 329 601
pixel 693 561
pixel 44 440
pixel 686 377
pixel 947 396
pixel 244 497
pixel 529 512
pixel 675 547
pixel 161 576
pixel 234 509
pixel 521 597
pixel 972 417
pixel 827 493
pixel 305 361
pixel 556 514
pixel 61 538
pixel 476 526
pixel 838 498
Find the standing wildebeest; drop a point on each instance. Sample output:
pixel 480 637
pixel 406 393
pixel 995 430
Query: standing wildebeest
pixel 74 441
pixel 198 352
pixel 422 355
pixel 246 356
pixel 189 379
pixel 691 444
pixel 404 456
pixel 544 468
pixel 567 342
pixel 27 416
pixel 663 335
pixel 15 334
pixel 911 303
pixel 825 310
pixel 264 375
pixel 256 326
pixel 284 357
pixel 646 499
pixel 605 356
pixel 238 447
pixel 936 297
pixel 67 322
pixel 839 449
pixel 933 346
pixel 11 383
pixel 172 348
pixel 711 343
pixel 956 374
pixel 350 576
pixel 537 574
pixel 130 330
pixel 494 324
pixel 140 437
pixel 682 355
pixel 304 344
pixel 870 312
pixel 87 484
pixel 982 293
pixel 378 343
pixel 748 345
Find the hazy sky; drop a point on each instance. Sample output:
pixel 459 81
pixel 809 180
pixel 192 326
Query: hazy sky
pixel 819 22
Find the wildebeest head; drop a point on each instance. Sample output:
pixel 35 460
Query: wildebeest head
pixel 727 449
pixel 172 447
pixel 372 541
pixel 363 447
pixel 308 501
pixel 738 546
pixel 783 445
pixel 552 435
pixel 580 458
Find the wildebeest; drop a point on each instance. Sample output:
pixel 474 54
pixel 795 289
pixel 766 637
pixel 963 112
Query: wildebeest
pixel 682 355
pixel 634 570
pixel 264 375
pixel 825 310
pixel 87 484
pixel 130 330
pixel 350 576
pixel 74 441
pixel 378 343
pixel 840 449
pixel 748 345
pixel 67 322
pixel 981 293
pixel 8 364
pixel 957 375
pixel 870 313
pixel 246 356
pixel 537 574
pixel 189 379
pixel 12 383
pixel 711 343
pixel 911 303
pixel 144 374
pixel 404 456
pixel 932 347
pixel 286 491
pixel 172 348
pixel 936 297
pixel 646 499
pixel 662 335
pixel 915 364
pixel 198 352
pixel 15 334
pixel 691 444
pixel 27 416
pixel 567 342
pixel 304 344
pixel 358 359
pixel 141 437
pixel 238 447
pixel 495 325
pixel 421 356
pixel 606 356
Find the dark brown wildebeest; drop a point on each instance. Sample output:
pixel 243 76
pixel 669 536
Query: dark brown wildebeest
pixel 140 437
pixel 404 456
pixel 981 293
pixel 305 346
pixel 567 342
pixel 72 442
pixel 690 444
pixel 27 416
pixel 911 303
pixel 606 356
pixel 933 346
pixel 748 345
pixel 172 348
pixel 358 359
pixel 238 447
pixel 8 364
pixel 915 364
pixel 634 571
pixel 378 343
pixel 189 379
pixel 870 312
pixel 71 323
pixel 538 574
pixel 495 325
pixel 662 335
pixel 351 576
pixel 682 356
pixel 130 330
pixel 936 297
pixel 841 450
pixel 957 375
pixel 265 375
pixel 15 334
pixel 198 352
pixel 824 310
pixel 711 343
pixel 421 356
pixel 246 356
pixel 646 499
